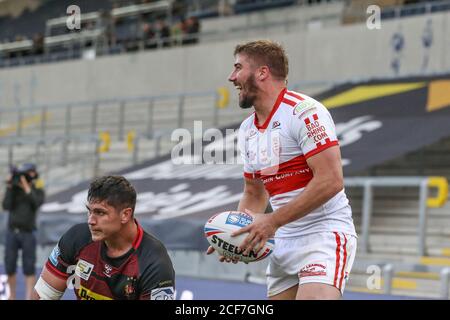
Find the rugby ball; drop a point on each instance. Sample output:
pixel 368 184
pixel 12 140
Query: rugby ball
pixel 218 230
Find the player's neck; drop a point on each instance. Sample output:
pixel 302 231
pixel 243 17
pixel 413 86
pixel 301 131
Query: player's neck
pixel 266 101
pixel 122 242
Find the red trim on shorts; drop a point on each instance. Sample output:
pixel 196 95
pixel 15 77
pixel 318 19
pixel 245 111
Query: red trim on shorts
pixel 338 258
pixel 55 271
pixel 343 262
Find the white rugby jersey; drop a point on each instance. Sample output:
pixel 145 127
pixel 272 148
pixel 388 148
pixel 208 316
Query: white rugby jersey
pixel 275 152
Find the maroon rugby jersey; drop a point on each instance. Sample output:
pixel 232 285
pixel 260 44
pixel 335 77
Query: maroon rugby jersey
pixel 144 272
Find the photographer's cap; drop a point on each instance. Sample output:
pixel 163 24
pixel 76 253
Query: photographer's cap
pixel 27 167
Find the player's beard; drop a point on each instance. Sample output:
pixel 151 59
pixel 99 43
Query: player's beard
pixel 248 93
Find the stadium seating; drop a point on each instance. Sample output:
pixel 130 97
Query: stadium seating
pixel 64 139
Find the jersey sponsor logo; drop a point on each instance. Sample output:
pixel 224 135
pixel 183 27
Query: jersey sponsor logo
pixel 302 105
pixel 276 124
pixel 86 294
pixel 165 293
pixel 307 112
pixel 316 269
pixel 239 219
pixel 316 131
pixel 54 256
pixel 84 269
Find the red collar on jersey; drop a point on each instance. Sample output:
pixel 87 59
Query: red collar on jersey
pixel 274 109
pixel 137 241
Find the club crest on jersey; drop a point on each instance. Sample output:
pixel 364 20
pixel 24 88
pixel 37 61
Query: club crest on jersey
pixel 276 149
pixel 84 269
pixel 251 155
pixel 251 134
pixel 130 287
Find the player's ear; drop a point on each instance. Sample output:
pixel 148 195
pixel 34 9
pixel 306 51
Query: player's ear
pixel 126 214
pixel 263 72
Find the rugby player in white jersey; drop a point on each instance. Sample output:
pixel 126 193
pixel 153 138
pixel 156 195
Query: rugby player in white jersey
pixel 292 159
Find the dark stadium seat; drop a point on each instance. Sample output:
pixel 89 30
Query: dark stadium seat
pixel 244 6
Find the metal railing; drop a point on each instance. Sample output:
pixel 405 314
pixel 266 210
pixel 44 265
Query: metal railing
pixel 53 152
pixel 90 111
pixel 423 183
pixel 150 118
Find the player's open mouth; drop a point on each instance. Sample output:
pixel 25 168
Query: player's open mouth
pixel 239 89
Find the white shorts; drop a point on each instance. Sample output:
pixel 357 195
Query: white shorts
pixel 325 257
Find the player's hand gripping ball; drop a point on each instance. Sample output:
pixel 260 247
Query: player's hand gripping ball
pixel 218 230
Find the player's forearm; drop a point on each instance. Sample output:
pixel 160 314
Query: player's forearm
pixel 253 202
pixel 317 192
pixel 35 295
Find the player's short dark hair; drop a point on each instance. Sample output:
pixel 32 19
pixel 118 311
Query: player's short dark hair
pixel 116 190
pixel 266 53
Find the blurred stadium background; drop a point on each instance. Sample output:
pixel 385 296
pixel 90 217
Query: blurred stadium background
pixel 107 97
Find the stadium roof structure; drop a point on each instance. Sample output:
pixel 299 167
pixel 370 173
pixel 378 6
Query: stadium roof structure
pixel 376 121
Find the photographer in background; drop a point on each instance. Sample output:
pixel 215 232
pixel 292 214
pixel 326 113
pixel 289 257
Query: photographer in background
pixel 23 197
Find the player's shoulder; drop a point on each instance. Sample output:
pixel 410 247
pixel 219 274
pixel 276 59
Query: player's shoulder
pixel 151 247
pixel 152 253
pixel 299 105
pixel 77 237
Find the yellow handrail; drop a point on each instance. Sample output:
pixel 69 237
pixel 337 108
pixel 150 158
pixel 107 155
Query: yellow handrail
pixel 224 97
pixel 441 184
pixel 105 138
pixel 131 135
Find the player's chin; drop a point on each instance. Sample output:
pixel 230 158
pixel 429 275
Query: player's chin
pixel 97 235
pixel 244 103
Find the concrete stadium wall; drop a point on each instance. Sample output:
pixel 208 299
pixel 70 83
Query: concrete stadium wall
pixel 331 54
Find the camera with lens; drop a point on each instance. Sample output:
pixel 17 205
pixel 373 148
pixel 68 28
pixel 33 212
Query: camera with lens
pixel 24 170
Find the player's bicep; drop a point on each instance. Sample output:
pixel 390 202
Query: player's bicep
pixel 49 286
pixel 327 166
pixel 314 130
pixel 158 280
pixel 163 290
pixel 56 282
